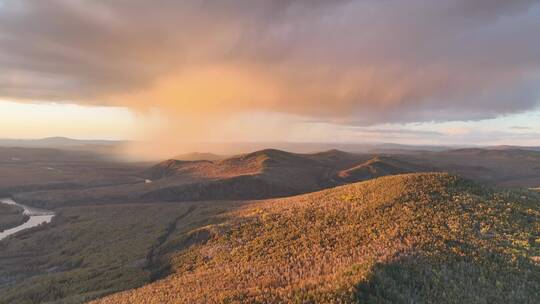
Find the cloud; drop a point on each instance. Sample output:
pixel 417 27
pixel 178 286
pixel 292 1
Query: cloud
pixel 495 137
pixel 348 62
pixel 399 132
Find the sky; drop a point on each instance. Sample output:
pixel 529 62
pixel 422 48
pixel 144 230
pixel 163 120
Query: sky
pixel 172 72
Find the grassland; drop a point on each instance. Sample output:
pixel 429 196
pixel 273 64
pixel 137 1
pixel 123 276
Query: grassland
pixel 11 216
pixel 418 238
pixel 91 251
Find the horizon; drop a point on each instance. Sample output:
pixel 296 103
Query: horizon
pixel 269 143
pixel 119 123
pixel 122 150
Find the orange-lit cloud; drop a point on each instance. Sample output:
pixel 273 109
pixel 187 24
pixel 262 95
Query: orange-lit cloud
pixel 204 63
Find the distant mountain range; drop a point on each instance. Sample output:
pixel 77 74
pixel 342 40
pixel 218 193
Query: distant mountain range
pixel 227 149
pixel 505 147
pixel 257 175
pixel 275 173
pixel 55 142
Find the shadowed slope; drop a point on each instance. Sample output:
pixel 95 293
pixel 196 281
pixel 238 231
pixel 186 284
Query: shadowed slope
pixel 422 238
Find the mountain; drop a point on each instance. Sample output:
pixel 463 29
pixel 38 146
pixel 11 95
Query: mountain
pixel 414 238
pixel 274 173
pixel 261 174
pixel 269 173
pixel 402 238
pixel 508 167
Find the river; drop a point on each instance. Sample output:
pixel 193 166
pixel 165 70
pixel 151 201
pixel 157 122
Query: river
pixel 37 217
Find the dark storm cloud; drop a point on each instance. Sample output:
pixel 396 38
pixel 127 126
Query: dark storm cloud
pixel 358 62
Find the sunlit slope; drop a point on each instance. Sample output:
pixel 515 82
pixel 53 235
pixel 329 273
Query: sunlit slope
pixel 416 238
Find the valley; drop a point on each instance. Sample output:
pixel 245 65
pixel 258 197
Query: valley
pixel 251 218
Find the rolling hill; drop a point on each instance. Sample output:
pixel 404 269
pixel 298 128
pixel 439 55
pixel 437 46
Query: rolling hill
pixel 270 173
pixel 414 238
pixel 259 174
pixel 273 173
pixel 262 174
